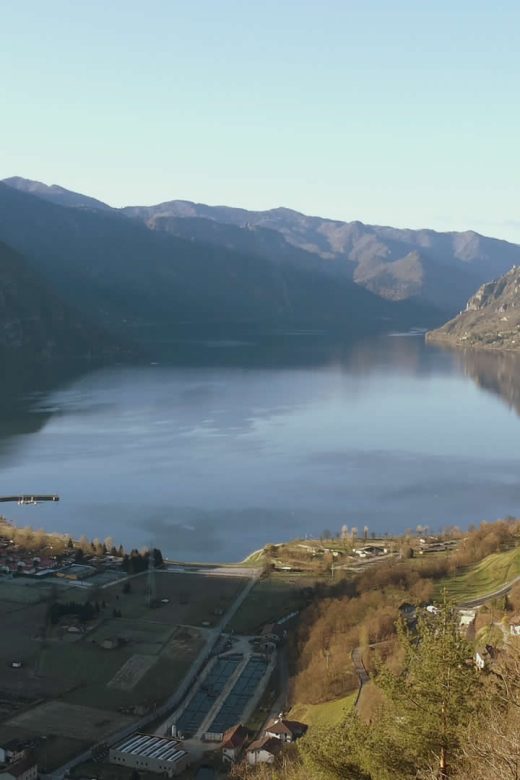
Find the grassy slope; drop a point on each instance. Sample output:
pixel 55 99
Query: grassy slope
pixel 328 713
pixel 490 574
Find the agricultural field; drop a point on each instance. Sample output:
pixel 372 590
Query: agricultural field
pixel 271 599
pixel 69 720
pixel 193 599
pixel 76 686
pixel 485 577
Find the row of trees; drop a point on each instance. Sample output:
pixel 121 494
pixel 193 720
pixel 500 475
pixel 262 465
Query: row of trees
pixel 84 611
pixel 138 562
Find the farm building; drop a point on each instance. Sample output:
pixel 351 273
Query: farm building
pixel 150 754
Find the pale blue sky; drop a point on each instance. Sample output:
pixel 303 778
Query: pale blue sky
pixel 401 112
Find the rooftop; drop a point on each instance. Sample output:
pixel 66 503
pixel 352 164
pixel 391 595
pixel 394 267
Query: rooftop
pixel 282 726
pixel 269 744
pixel 235 736
pixel 160 748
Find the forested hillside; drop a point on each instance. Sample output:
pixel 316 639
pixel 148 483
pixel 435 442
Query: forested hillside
pixel 427 711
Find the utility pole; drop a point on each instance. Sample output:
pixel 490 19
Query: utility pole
pixel 151 594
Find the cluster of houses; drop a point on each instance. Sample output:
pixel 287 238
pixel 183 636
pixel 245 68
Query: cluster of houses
pixel 263 750
pixel 18 560
pixel 432 545
pixel 16 762
pixel 166 755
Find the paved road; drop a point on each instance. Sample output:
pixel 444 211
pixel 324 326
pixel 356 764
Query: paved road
pixel 360 669
pixel 213 571
pixel 169 706
pixel 490 596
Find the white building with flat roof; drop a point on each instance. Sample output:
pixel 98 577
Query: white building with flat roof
pixel 151 754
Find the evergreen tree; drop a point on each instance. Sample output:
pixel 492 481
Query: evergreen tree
pixel 431 698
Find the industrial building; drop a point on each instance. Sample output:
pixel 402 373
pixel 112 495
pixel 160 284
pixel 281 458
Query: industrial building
pixel 150 753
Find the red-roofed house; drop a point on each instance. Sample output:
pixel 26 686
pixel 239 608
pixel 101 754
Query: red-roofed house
pixel 233 741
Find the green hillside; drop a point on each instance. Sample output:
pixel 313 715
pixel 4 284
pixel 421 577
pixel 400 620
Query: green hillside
pixel 483 578
pixel 328 713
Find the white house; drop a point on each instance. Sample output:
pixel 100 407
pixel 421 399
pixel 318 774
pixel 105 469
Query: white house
pixel 263 751
pixel 285 730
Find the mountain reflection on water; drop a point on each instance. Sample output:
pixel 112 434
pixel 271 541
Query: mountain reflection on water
pixel 223 447
pixel 496 372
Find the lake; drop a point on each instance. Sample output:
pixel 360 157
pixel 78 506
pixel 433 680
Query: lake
pixel 232 445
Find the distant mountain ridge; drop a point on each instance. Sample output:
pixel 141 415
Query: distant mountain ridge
pixel 491 318
pixel 441 269
pixel 150 285
pixel 435 269
pixel 55 194
pixel 181 264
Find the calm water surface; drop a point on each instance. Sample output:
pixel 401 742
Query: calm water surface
pixel 212 457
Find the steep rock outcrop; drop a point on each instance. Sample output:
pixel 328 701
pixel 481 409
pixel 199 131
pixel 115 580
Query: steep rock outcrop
pixel 491 318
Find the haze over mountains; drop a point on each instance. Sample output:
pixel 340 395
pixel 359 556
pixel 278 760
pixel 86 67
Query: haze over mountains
pixel 150 273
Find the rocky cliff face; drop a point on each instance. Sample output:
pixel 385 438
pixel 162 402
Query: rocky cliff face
pixel 491 317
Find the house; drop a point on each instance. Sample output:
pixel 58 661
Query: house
pixel 285 730
pixel 233 741
pixel 23 769
pixel 263 751
pixel 514 625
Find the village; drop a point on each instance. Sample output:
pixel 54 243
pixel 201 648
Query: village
pixel 102 643
pixel 122 663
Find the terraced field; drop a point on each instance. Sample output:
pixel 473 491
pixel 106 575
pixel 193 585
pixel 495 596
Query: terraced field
pixel 483 578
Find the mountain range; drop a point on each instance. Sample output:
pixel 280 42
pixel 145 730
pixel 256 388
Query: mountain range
pixel 150 273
